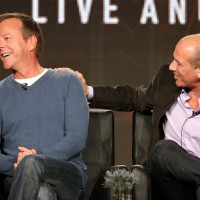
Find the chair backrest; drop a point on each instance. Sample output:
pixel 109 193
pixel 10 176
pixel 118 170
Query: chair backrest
pixel 99 152
pixel 142 131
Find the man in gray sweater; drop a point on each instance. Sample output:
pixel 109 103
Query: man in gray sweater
pixel 43 119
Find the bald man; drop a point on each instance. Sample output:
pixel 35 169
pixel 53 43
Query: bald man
pixel 174 96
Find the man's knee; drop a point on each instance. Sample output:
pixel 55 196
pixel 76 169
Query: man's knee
pixel 30 163
pixel 164 146
pixel 164 153
pixel 46 192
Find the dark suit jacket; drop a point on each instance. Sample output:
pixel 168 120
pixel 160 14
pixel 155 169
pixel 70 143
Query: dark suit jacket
pixel 158 96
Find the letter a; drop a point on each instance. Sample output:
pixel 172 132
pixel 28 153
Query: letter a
pixel 149 11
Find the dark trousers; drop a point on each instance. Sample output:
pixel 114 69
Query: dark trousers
pixel 175 172
pixel 44 178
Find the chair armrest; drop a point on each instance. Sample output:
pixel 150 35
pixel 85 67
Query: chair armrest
pixel 142 188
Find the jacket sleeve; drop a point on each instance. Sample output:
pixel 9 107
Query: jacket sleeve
pixel 129 98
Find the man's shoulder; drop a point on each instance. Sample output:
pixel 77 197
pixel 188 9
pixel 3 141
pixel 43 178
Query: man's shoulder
pixel 62 74
pixel 63 77
pixel 164 73
pixel 5 81
pixel 165 69
pixel 165 79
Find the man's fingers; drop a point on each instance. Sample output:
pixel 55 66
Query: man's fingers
pixel 33 151
pixel 83 81
pixel 15 165
pixel 64 69
pixel 22 148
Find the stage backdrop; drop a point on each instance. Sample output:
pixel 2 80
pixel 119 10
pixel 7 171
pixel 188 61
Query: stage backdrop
pixel 110 41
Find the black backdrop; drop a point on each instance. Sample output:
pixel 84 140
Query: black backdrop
pixel 110 42
pixel 120 49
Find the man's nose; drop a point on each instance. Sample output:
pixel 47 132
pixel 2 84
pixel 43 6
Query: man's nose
pixel 172 66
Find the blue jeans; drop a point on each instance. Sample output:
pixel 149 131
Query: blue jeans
pixel 44 178
pixel 175 172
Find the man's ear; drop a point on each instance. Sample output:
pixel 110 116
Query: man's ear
pixel 32 42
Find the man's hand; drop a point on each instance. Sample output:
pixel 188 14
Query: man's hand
pixel 22 153
pixel 82 79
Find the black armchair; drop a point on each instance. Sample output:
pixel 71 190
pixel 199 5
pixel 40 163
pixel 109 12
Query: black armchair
pixel 99 152
pixel 142 129
pixel 2 193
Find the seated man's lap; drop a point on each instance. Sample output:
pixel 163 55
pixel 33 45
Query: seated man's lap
pixel 64 177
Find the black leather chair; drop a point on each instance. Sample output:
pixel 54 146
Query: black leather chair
pixel 98 154
pixel 2 193
pixel 142 131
